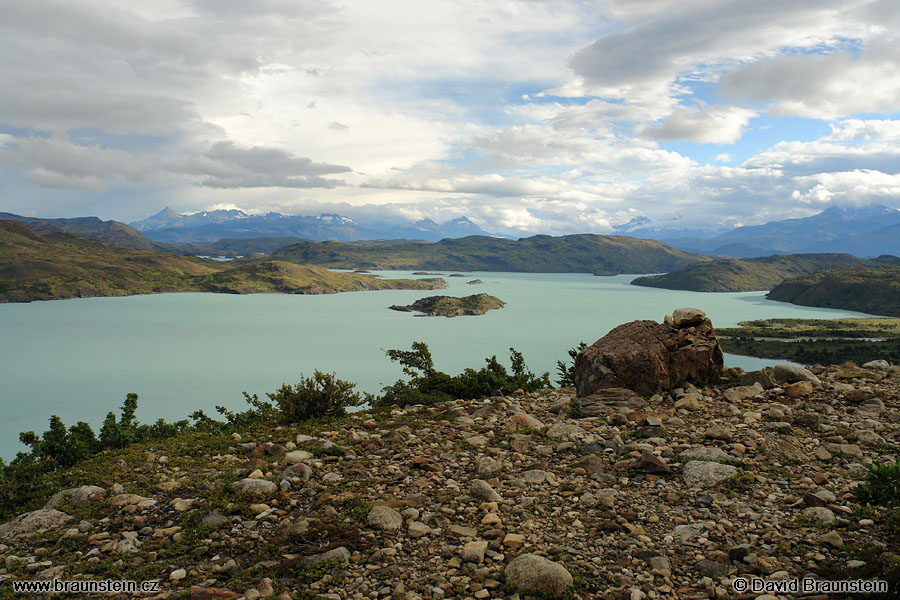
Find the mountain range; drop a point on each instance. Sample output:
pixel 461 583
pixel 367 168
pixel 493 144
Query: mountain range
pixel 209 226
pixel 867 231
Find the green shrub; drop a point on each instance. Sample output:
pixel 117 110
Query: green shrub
pixel 322 395
pixel 882 486
pixel 427 385
pixel 566 371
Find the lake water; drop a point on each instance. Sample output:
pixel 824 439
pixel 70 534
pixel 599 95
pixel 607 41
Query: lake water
pixel 79 358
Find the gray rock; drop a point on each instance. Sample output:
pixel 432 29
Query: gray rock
pixel 785 373
pixel 257 487
pixel 301 471
pixel 482 490
pixel 418 529
pixel 565 431
pixel 213 519
pixel 297 456
pixel 488 466
pixel 743 392
pixel 339 554
pixel 79 496
pixel 703 453
pixel 536 574
pixel 881 365
pixel 537 476
pixel 712 568
pixel 762 377
pixel 384 518
pixel 35 521
pixel 717 432
pixel 819 515
pixel 713 454
pixel 706 473
pixel 474 552
pixel 684 317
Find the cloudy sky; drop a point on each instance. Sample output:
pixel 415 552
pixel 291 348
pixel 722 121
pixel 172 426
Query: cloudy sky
pixel 552 116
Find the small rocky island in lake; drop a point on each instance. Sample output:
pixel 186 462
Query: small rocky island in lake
pixel 475 282
pixel 450 306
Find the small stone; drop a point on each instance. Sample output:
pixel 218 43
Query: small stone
pixel 385 518
pixel 488 466
pixel 474 552
pixel 257 487
pixel 684 317
pixel 177 575
pixel 706 473
pixel 819 515
pixel 297 456
pixel 536 574
pixel 717 432
pixel 785 373
pixel 417 529
pixel 799 389
pixel 482 490
pixel 833 539
pixel 341 555
pixel 689 402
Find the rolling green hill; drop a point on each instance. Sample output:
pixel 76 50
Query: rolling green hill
pixel 752 274
pixel 869 290
pixel 584 253
pixel 58 265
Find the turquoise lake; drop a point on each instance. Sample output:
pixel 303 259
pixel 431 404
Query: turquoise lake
pixel 180 352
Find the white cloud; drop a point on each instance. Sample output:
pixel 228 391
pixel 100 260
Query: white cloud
pixel 440 112
pixel 855 188
pixel 823 86
pixel 707 125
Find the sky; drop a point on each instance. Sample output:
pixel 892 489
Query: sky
pixel 551 116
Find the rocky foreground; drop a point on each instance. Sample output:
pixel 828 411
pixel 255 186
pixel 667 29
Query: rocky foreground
pixel 615 496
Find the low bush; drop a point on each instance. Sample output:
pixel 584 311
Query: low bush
pixel 566 371
pixel 427 385
pixel 321 396
pixel 882 486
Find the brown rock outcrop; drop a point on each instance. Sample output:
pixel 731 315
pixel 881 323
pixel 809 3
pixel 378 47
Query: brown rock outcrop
pixel 647 356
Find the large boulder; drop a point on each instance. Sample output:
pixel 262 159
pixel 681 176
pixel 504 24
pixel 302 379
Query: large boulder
pixel 36 521
pixel 647 356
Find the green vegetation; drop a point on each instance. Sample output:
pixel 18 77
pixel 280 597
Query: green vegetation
pixel 58 265
pixel 322 395
pixel 566 371
pixel 750 274
pixel 869 290
pixel 450 306
pixel 56 456
pixel 815 341
pixel 585 253
pixel 882 486
pixel 427 385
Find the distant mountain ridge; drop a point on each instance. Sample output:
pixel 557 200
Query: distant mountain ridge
pixel 209 226
pixel 580 253
pixel 864 231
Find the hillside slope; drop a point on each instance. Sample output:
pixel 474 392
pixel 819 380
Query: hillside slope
pixel 584 253
pixel 58 266
pixel 749 274
pixel 869 290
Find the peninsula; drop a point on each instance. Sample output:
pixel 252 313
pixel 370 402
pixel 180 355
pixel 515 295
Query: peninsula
pixel 56 265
